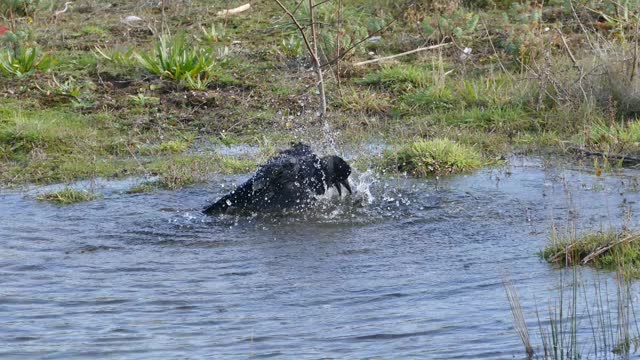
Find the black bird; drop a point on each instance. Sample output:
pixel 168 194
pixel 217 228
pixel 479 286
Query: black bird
pixel 289 180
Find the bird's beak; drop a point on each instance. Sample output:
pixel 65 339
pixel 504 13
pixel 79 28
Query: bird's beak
pixel 345 183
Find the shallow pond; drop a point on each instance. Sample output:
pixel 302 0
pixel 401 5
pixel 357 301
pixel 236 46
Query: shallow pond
pixel 413 270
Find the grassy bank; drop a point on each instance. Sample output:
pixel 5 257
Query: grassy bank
pixel 88 93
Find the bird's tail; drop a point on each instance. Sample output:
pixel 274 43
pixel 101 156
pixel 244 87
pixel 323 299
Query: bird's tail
pixel 218 207
pixel 241 196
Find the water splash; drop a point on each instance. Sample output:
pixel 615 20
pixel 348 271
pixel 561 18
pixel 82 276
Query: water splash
pixel 362 183
pixel 328 132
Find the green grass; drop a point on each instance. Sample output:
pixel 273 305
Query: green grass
pixel 434 157
pixel 179 169
pixel 364 101
pixel 610 250
pixel 613 137
pixel 68 196
pixel 425 100
pixel 184 171
pixel 399 79
pixel 48 131
pixel 116 95
pixel 175 146
pixel 582 319
pixel 504 119
pixel 92 29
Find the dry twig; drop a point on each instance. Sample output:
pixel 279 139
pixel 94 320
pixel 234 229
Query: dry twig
pixel 401 54
pixel 603 249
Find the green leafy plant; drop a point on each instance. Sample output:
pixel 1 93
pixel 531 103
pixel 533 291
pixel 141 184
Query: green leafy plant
pixel 215 33
pixel 23 62
pixel 519 24
pixel 69 87
pixel 171 58
pixel 341 27
pixel 292 47
pixel 80 93
pixel 17 38
pixel 141 99
pixel 460 24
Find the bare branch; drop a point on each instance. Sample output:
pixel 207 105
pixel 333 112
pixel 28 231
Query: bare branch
pixel 300 28
pixel 316 63
pixel 486 29
pixel 402 54
pixel 312 48
pixel 321 2
pixel 564 41
pixel 379 31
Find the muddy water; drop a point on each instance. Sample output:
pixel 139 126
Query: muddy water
pixel 415 270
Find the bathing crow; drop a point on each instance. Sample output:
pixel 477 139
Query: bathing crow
pixel 289 180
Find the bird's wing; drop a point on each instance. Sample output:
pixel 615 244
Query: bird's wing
pixel 285 180
pixel 275 174
pixel 289 179
pixel 240 197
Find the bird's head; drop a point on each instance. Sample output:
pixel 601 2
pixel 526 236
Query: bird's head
pixel 337 172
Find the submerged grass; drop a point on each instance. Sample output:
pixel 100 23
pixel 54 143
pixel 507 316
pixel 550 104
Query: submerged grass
pixel 434 157
pixel 68 196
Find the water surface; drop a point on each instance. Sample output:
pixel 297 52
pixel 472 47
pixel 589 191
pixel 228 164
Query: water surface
pixel 415 270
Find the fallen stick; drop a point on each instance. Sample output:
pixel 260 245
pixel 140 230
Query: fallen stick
pixel 234 11
pixel 625 158
pixel 597 252
pixel 555 258
pixel 401 54
pixel 606 248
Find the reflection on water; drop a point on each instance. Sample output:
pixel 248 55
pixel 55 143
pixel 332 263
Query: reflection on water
pixel 405 269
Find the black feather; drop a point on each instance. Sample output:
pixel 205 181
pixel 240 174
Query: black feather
pixel 292 179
